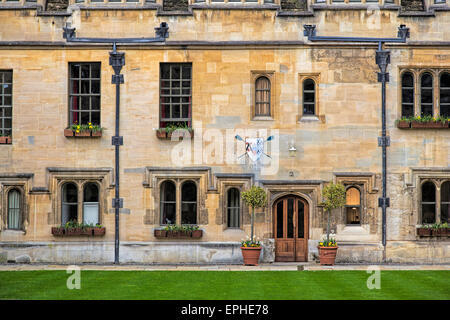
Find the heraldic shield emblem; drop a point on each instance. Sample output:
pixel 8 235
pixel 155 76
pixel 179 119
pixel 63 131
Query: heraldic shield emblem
pixel 254 148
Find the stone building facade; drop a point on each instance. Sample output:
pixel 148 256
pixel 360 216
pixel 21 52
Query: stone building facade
pixel 227 68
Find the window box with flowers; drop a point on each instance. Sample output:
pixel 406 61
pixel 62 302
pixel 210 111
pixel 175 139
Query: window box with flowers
pixel 72 228
pixel 423 122
pixel 83 130
pixel 5 139
pixel 178 129
pixel 173 231
pixel 434 230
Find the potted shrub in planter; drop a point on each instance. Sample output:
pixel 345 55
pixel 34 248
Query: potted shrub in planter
pixel 334 198
pixel 255 197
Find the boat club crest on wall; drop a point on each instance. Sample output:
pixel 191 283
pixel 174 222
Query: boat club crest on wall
pixel 254 148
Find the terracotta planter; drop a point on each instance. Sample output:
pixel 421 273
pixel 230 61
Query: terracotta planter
pixel 327 255
pixel 96 133
pixel 83 134
pixel 57 231
pixel 87 231
pixel 403 124
pixel 68 133
pixel 161 134
pixel 73 231
pixel 251 255
pixel 423 232
pixel 5 140
pixel 160 233
pixel 429 125
pixel 197 234
pixel 99 231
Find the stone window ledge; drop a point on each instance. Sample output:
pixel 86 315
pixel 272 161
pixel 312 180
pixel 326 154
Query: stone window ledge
pixel 262 118
pixel 12 232
pixel 311 119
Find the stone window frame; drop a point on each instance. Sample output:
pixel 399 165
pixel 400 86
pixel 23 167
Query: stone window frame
pixel 178 181
pixel 437 182
pixel 222 214
pixel 227 198
pixel 153 177
pixel 314 76
pixel 366 182
pixel 6 187
pixel 80 184
pixel 417 73
pixel 57 177
pixel 360 188
pixel 254 76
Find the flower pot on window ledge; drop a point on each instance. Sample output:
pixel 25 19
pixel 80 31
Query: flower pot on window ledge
pixel 161 133
pixel 99 231
pixel 5 140
pixel 58 231
pixel 160 233
pixel 429 125
pixel 73 232
pixel 403 124
pixel 424 232
pixel 196 234
pixel 89 231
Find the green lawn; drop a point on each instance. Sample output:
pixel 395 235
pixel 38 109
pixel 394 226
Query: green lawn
pixel 227 285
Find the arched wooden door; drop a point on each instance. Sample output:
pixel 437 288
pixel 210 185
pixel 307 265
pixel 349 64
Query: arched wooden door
pixel 291 229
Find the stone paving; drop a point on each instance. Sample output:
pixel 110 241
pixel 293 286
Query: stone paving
pixel 291 266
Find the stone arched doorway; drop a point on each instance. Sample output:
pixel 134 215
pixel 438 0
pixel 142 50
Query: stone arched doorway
pixel 290 228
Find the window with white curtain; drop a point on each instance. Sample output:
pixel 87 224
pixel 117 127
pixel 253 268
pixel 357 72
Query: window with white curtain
pixel 14 210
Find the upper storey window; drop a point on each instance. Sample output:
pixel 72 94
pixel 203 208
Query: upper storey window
pixel 5 103
pixel 425 92
pixel 84 97
pixel 175 94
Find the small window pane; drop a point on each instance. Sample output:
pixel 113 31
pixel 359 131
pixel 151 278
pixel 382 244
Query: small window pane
pixel 301 219
pixel 309 97
pixel 262 97
pixel 428 192
pixel 445 192
pixel 280 231
pixel 14 218
pixel 90 192
pixel 70 193
pixel 233 208
pixel 168 203
pixel 69 203
pixel 290 218
pixel 189 203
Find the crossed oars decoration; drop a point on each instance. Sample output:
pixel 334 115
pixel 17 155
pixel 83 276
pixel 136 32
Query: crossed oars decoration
pixel 248 147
